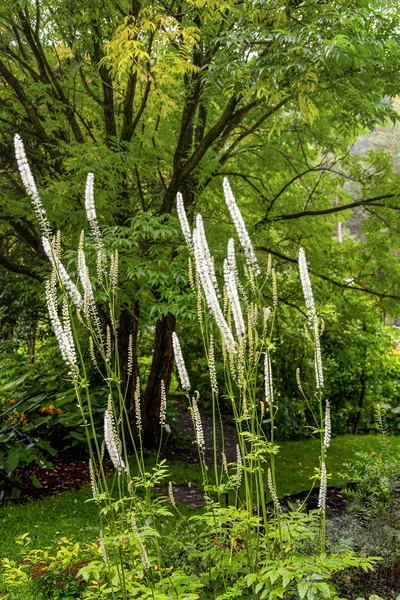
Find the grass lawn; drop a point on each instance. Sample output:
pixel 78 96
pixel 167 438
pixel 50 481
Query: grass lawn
pixel 68 515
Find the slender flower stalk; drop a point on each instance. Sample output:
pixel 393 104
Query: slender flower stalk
pixel 274 290
pixel 138 412
pixel 224 463
pixel 307 289
pixel 240 226
pixel 62 274
pixel 113 444
pixel 233 296
pixel 273 493
pixel 62 332
pixel 298 380
pixel 171 493
pixel 312 317
pixel 266 315
pixel 328 429
pixel 198 426
pixel 114 269
pixel 93 484
pixel 183 220
pixel 130 356
pixel 108 344
pixel 239 466
pixel 269 389
pixel 142 549
pixel 180 363
pixel 92 351
pixel 30 186
pixel 94 225
pixel 163 404
pixel 232 258
pixel 205 251
pixel 206 274
pixel 102 548
pixel 211 366
pixel 89 304
pixel 323 488
pixel 319 374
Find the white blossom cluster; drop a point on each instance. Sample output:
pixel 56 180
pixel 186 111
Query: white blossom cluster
pixel 180 207
pixel 129 369
pixel 211 366
pixel 89 303
pixel 269 389
pixel 62 273
pixel 202 246
pixel 138 412
pixel 52 254
pixel 312 317
pixel 207 278
pixel 102 548
pixel 319 374
pixel 239 466
pixel 171 493
pixel 62 331
pixel 272 491
pixel 241 229
pixel 113 444
pixel 93 484
pixel 307 289
pixel 30 186
pixel 233 296
pixel 180 363
pixel 163 404
pixel 232 257
pixel 94 225
pixel 141 546
pixel 323 488
pixel 114 269
pixel 328 428
pixel 198 426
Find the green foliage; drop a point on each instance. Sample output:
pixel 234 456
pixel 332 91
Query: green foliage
pixel 54 576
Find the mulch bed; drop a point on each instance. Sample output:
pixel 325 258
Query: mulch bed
pixel 64 475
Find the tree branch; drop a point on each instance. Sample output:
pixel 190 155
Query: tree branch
pixel 346 286
pixel 327 211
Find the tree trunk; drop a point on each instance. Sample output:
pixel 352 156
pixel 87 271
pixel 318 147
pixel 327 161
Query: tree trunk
pixel 129 326
pixel 161 370
pixel 360 404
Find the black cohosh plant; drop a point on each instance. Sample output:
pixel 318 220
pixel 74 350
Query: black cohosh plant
pixel 244 550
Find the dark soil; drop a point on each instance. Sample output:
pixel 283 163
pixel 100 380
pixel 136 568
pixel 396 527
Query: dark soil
pixel 64 475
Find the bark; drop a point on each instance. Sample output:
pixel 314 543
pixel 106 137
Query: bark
pixel 360 404
pixel 129 325
pixel 161 370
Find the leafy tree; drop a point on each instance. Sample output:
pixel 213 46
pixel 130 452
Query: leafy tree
pixel 158 97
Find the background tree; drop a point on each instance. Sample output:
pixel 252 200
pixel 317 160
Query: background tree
pixel 156 97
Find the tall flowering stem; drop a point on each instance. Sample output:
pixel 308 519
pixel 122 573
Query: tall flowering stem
pixel 324 420
pixel 240 226
pixel 30 186
pixel 180 363
pixel 183 220
pixel 94 225
pixel 206 274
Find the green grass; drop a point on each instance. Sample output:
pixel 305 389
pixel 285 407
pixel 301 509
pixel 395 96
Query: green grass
pixel 69 515
pixel 297 461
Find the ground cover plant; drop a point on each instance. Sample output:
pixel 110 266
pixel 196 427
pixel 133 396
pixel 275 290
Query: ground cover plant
pixel 246 548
